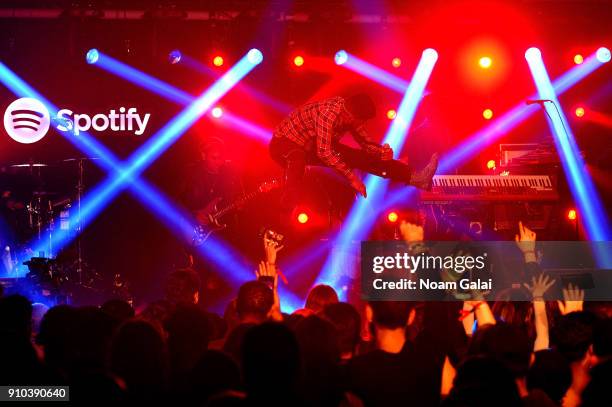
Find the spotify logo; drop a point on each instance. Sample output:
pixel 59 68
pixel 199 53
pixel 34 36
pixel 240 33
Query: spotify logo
pixel 26 120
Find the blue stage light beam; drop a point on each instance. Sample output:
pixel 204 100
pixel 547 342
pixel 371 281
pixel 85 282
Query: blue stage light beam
pixel 585 195
pixel 500 127
pixel 180 224
pixel 199 67
pixel 176 95
pixel 359 219
pixel 140 78
pixel 370 71
pixel 169 133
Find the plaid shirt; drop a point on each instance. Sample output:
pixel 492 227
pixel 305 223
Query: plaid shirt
pixel 317 126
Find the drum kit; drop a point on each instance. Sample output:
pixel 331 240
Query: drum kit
pixel 34 209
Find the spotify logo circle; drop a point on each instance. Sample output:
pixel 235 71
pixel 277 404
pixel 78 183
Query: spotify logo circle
pixel 26 120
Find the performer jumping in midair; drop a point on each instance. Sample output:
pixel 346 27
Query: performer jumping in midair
pixel 311 135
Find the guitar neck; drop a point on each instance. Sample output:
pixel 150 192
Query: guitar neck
pixel 236 203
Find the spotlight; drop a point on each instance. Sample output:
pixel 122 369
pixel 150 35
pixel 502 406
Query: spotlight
pixel 298 61
pixel 579 111
pixel 487 114
pixel 92 56
pixel 571 214
pixel 603 55
pixel 578 59
pixel 396 62
pixel 485 62
pixel 302 217
pixel 391 114
pixel 532 53
pixel 255 56
pixel 341 57
pixel 218 60
pixel 392 217
pixel 491 164
pixel 174 57
pixel 217 112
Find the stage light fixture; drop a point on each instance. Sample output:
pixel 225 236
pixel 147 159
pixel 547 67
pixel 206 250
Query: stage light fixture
pixel 578 59
pixel 216 112
pixel 92 56
pixel 396 62
pixel 255 56
pixel 218 60
pixel 571 214
pixel 485 62
pixel 341 57
pixel 579 111
pixel 603 55
pixel 174 57
pixel 392 217
pixel 391 114
pixel 302 217
pixel 487 114
pixel 298 61
pixel 491 164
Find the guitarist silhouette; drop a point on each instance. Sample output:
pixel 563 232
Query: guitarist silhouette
pixel 211 184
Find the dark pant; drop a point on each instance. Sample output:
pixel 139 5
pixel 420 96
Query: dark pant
pixel 295 158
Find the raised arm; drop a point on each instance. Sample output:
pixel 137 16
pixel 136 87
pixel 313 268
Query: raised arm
pixel 538 288
pixel 324 127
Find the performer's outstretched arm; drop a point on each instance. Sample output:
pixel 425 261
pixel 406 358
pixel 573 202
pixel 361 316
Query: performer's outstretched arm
pixel 324 129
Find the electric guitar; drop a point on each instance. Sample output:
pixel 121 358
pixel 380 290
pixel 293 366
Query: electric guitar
pixel 209 217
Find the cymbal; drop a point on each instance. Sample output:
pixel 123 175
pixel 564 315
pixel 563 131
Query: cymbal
pixel 28 165
pixel 43 193
pixel 80 159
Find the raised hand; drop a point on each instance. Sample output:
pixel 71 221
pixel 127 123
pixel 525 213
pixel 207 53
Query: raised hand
pixel 539 286
pixel 573 299
pixel 271 248
pixel 525 241
pixel 359 186
pixel 265 271
pixel 387 152
pixel 411 232
pixel 526 238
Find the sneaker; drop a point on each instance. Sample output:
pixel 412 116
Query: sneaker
pixel 422 179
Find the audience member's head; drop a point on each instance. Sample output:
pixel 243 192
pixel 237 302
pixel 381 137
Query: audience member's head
pixel 38 312
pixel 119 310
pixel 551 373
pixel 390 314
pixel 597 393
pixel 138 357
pixel 19 364
pixel 56 336
pixel 507 343
pixel 602 340
pixel 483 381
pixel 573 335
pixel 183 286
pixel 91 341
pixel 347 321
pixel 214 373
pixel 16 317
pixel 188 335
pixel 270 362
pixel 157 313
pixel 254 302
pixel 319 297
pixel 318 341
